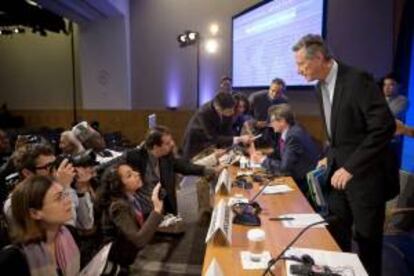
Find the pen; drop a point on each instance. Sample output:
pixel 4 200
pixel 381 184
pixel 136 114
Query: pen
pixel 281 218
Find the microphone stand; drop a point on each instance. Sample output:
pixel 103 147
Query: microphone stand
pixel 275 260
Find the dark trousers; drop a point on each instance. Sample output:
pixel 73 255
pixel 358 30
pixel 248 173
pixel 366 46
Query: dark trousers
pixel 362 223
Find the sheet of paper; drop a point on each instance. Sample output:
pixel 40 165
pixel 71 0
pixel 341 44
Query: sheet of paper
pixel 244 173
pixel 248 264
pixel 254 165
pixel 235 200
pixel 277 189
pixel 302 220
pixel 97 264
pixel 338 262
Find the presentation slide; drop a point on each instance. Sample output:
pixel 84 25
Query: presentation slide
pixel 263 40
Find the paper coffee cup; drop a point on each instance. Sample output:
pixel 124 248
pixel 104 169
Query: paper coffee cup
pixel 256 239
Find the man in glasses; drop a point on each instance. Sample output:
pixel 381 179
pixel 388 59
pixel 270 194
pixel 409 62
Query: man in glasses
pixel 39 159
pixel 298 153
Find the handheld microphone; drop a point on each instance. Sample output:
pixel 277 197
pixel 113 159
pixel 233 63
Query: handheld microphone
pixel 279 257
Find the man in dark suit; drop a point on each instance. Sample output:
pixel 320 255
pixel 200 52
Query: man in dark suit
pixel 260 102
pixel 212 125
pixel 298 152
pixel 156 158
pixel 359 127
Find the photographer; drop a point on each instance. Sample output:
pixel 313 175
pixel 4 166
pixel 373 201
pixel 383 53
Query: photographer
pixel 155 158
pixel 91 139
pixel 39 159
pixel 69 144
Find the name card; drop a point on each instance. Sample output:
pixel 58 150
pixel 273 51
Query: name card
pixel 214 269
pixel 223 183
pixel 220 227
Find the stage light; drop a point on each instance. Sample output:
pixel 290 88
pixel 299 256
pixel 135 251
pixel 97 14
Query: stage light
pixel 182 38
pixel 188 38
pixel 214 28
pixel 211 46
pixel 192 36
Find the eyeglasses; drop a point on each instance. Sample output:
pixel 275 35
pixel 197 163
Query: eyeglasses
pixel 47 166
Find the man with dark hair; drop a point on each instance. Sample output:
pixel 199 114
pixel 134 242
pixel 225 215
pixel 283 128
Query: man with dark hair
pixel 156 158
pixel 211 125
pixel 359 127
pixel 261 101
pixel 39 159
pixel 397 103
pixel 92 139
pixel 225 85
pixel 298 153
pixel 259 105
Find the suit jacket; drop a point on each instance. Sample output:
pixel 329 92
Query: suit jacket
pixel 299 156
pixel 206 128
pixel 168 165
pixel 260 103
pixel 362 127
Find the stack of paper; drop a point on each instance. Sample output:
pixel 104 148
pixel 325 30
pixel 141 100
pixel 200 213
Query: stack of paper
pixel 302 220
pixel 277 189
pixel 248 264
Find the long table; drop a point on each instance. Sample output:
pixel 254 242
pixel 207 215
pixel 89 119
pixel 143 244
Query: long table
pixel 277 236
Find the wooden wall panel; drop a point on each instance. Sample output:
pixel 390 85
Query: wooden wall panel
pixel 133 124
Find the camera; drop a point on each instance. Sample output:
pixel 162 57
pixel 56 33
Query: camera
pixel 11 181
pixel 83 159
pixel 29 139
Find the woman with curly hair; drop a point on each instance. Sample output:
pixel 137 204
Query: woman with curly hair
pixel 122 220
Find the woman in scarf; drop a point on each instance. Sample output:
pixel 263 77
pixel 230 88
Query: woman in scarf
pixel 43 246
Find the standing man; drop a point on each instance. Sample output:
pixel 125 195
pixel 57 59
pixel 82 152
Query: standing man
pixel 359 127
pixel 397 103
pixel 260 102
pixel 212 125
pixel 225 85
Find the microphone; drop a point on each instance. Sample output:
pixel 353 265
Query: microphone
pixel 259 192
pixel 248 213
pixel 279 257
